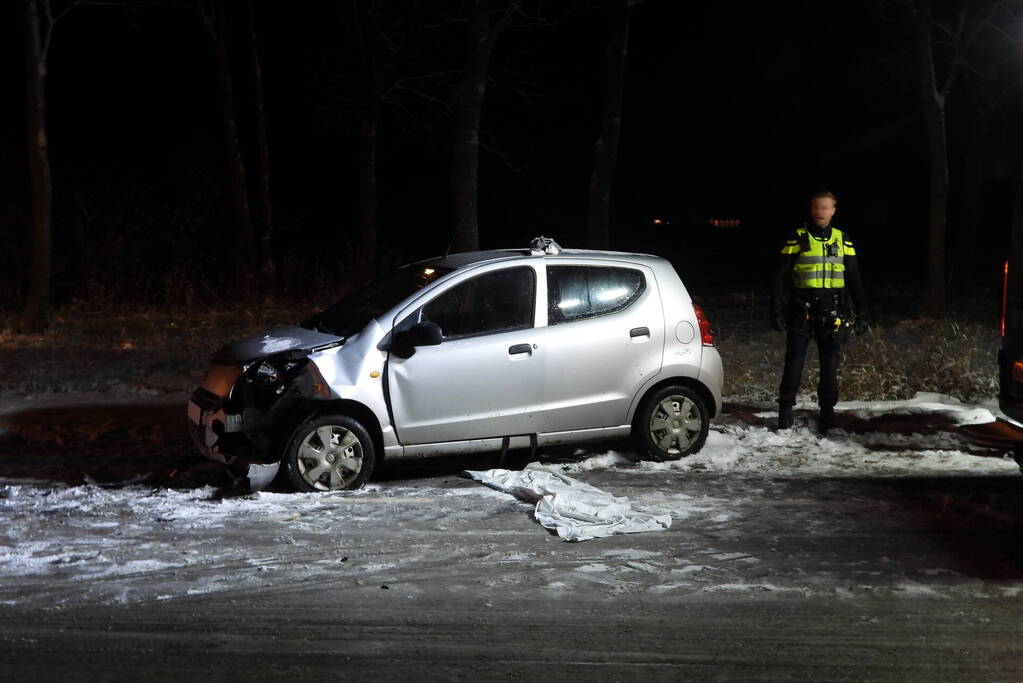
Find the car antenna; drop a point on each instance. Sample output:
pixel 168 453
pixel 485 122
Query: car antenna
pixel 454 233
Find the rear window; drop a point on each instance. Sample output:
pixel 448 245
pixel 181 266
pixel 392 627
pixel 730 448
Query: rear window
pixel 580 292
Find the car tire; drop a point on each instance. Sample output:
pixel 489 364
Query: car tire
pixel 671 423
pixel 329 453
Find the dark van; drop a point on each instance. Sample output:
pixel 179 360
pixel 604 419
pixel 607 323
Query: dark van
pixel 1010 356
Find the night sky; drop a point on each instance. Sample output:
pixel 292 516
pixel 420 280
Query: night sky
pixel 732 110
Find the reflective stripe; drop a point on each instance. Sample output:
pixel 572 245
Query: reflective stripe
pixel 805 260
pixel 808 275
pixel 790 250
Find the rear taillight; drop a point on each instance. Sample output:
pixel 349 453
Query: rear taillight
pixel 706 334
pixel 1005 290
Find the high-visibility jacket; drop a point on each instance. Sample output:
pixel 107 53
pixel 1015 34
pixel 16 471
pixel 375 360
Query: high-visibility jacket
pixel 820 263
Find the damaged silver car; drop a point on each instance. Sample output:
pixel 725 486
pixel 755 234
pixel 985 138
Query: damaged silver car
pixel 476 352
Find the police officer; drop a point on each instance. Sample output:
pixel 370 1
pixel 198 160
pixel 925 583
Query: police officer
pixel 816 277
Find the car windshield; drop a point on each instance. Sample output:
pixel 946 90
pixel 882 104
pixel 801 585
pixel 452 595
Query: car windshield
pixel 352 313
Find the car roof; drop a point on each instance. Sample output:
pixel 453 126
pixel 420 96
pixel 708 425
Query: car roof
pixel 469 258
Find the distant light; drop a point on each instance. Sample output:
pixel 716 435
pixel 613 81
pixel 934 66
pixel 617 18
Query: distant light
pixel 428 271
pixel 659 221
pixel 724 222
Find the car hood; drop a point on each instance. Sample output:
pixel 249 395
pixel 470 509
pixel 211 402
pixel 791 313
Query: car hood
pixel 277 340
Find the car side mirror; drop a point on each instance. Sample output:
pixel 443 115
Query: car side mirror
pixel 424 333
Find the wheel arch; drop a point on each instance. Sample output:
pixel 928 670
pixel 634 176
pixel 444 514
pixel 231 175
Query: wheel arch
pixel 691 382
pixel 307 409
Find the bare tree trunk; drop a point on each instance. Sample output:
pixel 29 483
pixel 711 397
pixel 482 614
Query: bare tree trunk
pixel 481 37
pixel 971 199
pixel 365 268
pixel 244 234
pixel 932 103
pixel 37 306
pixel 265 241
pixel 605 149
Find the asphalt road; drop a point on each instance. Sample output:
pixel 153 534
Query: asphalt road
pixel 760 577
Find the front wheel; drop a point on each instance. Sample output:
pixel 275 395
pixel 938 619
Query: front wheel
pixel 329 453
pixel 671 423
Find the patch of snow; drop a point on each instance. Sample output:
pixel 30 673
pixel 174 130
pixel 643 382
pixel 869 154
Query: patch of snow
pixel 631 554
pixel 270 345
pixel 802 451
pixel 917 590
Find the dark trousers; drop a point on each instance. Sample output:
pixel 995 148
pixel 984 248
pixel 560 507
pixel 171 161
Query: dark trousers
pixel 828 348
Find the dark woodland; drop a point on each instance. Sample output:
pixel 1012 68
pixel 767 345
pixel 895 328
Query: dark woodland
pixel 215 151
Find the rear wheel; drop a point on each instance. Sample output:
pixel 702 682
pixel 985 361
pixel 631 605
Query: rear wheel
pixel 671 423
pixel 329 453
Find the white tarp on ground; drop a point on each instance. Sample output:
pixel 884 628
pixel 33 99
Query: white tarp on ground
pixel 574 509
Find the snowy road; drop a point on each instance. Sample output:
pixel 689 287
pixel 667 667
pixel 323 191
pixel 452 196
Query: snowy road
pixel 890 550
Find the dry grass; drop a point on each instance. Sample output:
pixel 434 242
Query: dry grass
pixel 895 359
pixel 129 349
pixel 134 349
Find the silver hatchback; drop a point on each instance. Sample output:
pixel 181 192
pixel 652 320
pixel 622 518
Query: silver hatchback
pixel 475 352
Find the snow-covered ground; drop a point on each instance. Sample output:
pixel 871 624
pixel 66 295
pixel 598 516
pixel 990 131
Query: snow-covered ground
pixel 755 510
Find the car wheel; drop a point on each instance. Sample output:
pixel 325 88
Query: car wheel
pixel 671 423
pixel 253 477
pixel 329 453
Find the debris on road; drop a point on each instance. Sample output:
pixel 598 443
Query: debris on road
pixel 573 509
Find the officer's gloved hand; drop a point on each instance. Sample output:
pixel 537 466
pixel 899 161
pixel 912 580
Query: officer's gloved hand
pixel 778 322
pixel 862 324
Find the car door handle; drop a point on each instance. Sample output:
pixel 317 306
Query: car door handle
pixel 520 348
pixel 639 332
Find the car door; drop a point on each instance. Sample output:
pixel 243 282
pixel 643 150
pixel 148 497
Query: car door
pixel 484 379
pixel 604 338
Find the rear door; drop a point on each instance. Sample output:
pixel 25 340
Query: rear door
pixel 604 337
pixel 485 378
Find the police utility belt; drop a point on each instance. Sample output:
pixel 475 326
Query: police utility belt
pixel 820 314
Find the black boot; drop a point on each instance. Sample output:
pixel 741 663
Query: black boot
pixel 827 421
pixel 784 416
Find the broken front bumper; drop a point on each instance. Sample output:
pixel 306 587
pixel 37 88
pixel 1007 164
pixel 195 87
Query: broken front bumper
pixel 208 424
pixel 229 437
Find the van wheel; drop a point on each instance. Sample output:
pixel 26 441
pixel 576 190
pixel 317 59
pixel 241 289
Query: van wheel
pixel 329 453
pixel 671 423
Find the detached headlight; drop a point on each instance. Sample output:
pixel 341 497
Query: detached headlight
pixel 267 374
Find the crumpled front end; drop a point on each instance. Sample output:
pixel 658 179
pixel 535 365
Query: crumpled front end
pixel 207 421
pixel 239 412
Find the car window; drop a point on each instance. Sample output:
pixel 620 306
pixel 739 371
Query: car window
pixel 579 292
pixel 499 301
